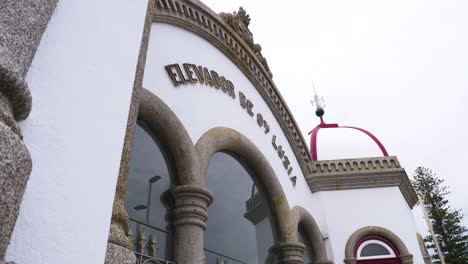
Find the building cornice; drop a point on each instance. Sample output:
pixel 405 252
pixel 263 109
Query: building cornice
pixel 238 45
pixel 346 174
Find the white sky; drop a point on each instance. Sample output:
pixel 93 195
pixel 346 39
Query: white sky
pixel 398 68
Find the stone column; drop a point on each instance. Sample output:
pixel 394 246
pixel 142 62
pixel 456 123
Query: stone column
pixel 290 253
pixel 406 259
pixel 22 23
pixel 190 216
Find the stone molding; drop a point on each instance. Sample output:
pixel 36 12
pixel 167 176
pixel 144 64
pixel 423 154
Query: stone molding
pixel 290 253
pixel 189 218
pixel 424 252
pixel 194 16
pixel 301 217
pixel 363 165
pixel 350 258
pixel 330 175
pixel 174 137
pixel 191 204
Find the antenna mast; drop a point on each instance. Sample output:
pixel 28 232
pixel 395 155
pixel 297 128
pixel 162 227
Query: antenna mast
pixel 319 104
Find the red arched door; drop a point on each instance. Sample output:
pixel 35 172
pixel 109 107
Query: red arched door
pixel 376 250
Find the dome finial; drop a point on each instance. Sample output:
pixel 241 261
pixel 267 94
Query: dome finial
pixel 319 103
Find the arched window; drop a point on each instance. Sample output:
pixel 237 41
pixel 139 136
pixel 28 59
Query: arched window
pixel 147 199
pixel 238 227
pixel 302 238
pixel 376 250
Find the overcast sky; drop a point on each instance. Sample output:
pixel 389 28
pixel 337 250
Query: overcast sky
pixel 398 68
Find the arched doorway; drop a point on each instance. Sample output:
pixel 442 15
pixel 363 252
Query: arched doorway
pixel 376 250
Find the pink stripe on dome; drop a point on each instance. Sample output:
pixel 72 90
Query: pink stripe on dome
pixel 313 137
pixel 376 140
pixel 314 132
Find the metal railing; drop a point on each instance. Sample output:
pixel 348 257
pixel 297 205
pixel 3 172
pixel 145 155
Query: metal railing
pixel 145 242
pixel 146 245
pixel 214 257
pixel 144 259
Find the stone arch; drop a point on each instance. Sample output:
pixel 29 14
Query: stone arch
pixel 424 252
pixel 350 258
pixel 190 198
pixel 226 139
pixel 165 124
pixel 302 217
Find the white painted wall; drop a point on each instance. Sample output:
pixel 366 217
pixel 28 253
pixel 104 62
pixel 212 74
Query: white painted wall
pixel 81 81
pixel 349 210
pixel 201 107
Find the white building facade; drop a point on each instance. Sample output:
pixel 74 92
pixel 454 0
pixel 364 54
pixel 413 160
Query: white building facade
pixel 157 135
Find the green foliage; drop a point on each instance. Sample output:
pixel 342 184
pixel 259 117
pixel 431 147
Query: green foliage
pixel 451 234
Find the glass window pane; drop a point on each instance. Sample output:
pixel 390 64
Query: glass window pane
pixel 148 184
pixel 302 238
pixel 230 236
pixel 374 250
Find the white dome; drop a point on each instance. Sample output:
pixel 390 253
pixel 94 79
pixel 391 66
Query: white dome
pixel 345 143
pixel 332 142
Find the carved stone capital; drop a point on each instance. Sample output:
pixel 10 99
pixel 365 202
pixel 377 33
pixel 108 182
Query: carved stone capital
pixel 189 219
pixel 427 260
pixel 191 204
pixel 406 259
pixel 290 252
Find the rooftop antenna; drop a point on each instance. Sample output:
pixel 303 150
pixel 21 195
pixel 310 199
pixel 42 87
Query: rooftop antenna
pixel 319 104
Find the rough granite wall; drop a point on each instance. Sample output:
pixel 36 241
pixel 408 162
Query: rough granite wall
pixel 22 23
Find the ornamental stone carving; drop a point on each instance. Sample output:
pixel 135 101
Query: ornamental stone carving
pixel 329 175
pixel 240 21
pixel 290 252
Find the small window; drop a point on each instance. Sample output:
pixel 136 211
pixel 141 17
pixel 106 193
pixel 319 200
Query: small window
pixel 374 249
